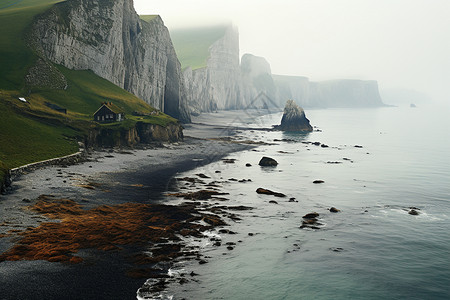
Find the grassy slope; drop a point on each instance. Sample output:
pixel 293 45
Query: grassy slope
pixel 16 57
pixel 32 132
pixel 192 44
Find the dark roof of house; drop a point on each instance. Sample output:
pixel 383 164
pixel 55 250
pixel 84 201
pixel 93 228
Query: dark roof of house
pixel 114 108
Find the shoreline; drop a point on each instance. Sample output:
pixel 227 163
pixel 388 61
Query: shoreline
pixel 106 178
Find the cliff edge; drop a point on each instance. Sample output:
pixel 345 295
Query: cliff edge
pixel 109 38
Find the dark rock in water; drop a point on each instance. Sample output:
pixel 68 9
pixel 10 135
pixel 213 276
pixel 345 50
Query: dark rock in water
pixel 334 210
pixel 337 249
pixel 318 181
pixel 202 262
pixel 201 175
pixel 294 118
pixel 273 202
pixel 267 162
pixel 248 165
pixel 269 192
pixel 358 146
pixel 316 143
pixel 292 200
pixel 413 212
pixel 324 146
pixel 312 215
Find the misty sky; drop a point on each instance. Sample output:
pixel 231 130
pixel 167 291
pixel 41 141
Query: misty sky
pixel 400 43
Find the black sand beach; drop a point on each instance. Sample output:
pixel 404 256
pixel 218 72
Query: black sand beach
pixel 108 178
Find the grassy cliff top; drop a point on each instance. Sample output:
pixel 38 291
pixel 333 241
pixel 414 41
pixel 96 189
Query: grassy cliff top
pixel 32 131
pixel 192 44
pixel 148 18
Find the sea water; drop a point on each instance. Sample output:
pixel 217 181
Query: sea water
pixel 372 248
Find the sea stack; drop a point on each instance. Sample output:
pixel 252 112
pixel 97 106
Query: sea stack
pixel 294 118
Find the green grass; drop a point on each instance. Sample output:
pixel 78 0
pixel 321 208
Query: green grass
pixel 31 132
pixel 148 18
pixel 25 140
pixel 86 91
pixel 15 56
pixel 3 172
pixel 192 44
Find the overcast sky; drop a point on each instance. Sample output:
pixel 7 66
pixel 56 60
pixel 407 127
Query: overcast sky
pixel 400 43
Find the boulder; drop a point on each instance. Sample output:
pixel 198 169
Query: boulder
pixel 269 192
pixel 413 212
pixel 294 118
pixel 267 162
pixel 334 210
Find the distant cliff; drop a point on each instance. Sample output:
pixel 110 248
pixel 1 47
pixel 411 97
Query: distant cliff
pixel 107 37
pixel 216 86
pixel 223 83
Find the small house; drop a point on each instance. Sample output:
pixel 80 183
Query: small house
pixel 109 112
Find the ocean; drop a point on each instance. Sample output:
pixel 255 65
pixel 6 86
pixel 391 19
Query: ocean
pixel 379 164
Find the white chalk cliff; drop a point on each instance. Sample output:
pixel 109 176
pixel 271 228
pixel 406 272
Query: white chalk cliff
pixel 107 37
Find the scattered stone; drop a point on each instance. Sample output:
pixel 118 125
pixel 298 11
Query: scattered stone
pixel 230 248
pixel 248 165
pixel 217 172
pixel 413 212
pixel 240 207
pixel 334 210
pixel 292 200
pixel 273 202
pixel 316 143
pixel 251 234
pixel 193 274
pixel 358 146
pixel 334 162
pixel 311 215
pixel 200 195
pixel 201 175
pixel 202 262
pixel 338 249
pixel 268 162
pixel 269 192
pixel 26 200
pixel 318 181
pixel 324 146
pixel 229 160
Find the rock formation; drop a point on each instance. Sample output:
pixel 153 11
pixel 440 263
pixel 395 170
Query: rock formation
pixel 216 86
pixel 268 162
pixel 294 118
pixel 107 37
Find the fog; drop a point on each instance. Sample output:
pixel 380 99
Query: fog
pixel 403 44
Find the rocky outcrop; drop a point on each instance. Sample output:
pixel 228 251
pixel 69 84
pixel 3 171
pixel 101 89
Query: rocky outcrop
pixel 267 162
pixel 129 137
pixel 107 37
pixel 294 118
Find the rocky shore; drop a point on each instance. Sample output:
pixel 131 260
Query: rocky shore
pixel 100 228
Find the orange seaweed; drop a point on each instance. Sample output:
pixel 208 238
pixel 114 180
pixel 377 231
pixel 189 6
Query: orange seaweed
pixel 105 228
